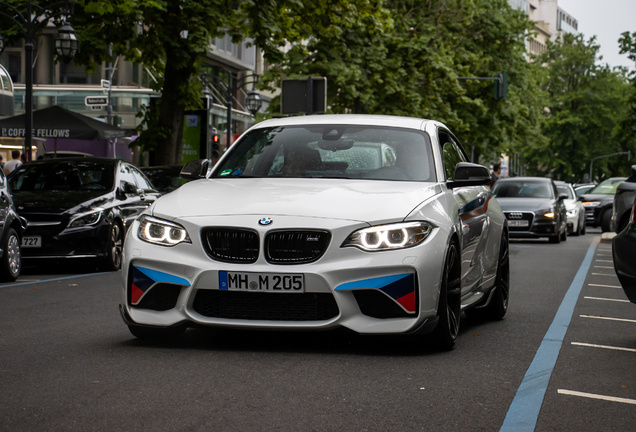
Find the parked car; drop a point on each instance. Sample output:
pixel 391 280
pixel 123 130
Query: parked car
pixel 582 189
pixel 275 237
pixel 533 207
pixel 598 203
pixel 10 235
pixel 623 199
pixel 164 178
pixel 63 154
pixel 624 253
pixel 79 207
pixel 573 207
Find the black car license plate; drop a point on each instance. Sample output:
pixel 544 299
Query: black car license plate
pixel 262 282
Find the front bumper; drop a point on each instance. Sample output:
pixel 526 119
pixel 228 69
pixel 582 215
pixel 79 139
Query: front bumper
pixel 85 242
pixel 349 286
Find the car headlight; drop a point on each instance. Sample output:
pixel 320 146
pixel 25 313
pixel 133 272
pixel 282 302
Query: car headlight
pixel 389 237
pixel 86 219
pixel 548 213
pixel 162 232
pixel 591 203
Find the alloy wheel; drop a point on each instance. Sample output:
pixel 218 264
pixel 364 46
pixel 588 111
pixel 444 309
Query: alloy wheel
pixel 13 251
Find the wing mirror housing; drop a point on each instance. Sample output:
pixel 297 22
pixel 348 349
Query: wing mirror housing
pixel 563 197
pixel 470 174
pixel 126 188
pixel 195 170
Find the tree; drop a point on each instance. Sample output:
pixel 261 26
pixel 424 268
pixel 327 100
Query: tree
pixel 585 103
pixel 409 66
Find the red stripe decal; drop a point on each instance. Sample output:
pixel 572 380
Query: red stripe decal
pixel 408 301
pixel 135 294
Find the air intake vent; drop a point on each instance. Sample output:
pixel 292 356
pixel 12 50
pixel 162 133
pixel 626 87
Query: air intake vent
pixel 230 244
pixel 296 247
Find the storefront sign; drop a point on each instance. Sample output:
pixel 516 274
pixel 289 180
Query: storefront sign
pixel 40 133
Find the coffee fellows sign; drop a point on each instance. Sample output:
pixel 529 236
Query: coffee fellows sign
pixel 38 133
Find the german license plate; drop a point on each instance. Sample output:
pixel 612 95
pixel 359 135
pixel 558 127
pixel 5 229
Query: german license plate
pixel 518 223
pixel 32 242
pixel 262 282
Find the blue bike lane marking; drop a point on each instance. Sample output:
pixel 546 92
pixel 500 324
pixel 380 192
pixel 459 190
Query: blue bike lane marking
pixel 524 410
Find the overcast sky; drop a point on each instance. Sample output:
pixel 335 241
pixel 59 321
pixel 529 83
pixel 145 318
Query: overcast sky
pixel 606 19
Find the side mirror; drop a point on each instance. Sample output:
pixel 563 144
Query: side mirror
pixel 470 174
pixel 563 197
pixel 129 188
pixel 195 170
pixel 580 198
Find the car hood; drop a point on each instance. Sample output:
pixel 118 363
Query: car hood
pixel 58 202
pixel 524 204
pixel 359 200
pixel 604 198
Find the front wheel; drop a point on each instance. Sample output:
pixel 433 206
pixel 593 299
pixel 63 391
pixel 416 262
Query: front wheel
pixel 449 309
pixel 11 262
pixel 114 252
pixel 564 234
pixel 606 218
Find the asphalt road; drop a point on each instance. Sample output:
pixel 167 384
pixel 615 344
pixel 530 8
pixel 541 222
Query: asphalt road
pixel 67 362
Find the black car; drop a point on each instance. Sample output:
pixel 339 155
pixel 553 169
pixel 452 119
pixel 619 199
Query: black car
pixel 623 200
pixel 164 178
pixel 598 203
pixel 624 252
pixel 79 207
pixel 11 235
pixel 533 207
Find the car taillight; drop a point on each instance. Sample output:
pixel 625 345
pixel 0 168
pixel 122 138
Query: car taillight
pixel 632 218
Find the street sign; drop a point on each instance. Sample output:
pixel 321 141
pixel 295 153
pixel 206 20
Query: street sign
pixel 97 107
pixel 106 84
pixel 96 101
pixel 307 96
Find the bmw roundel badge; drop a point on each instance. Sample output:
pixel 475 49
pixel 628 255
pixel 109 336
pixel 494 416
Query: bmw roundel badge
pixel 265 221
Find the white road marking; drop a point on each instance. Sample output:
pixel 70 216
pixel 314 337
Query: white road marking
pixel 607 299
pixel 595 396
pixel 607 318
pixel 605 286
pixel 604 346
pixel 603 274
pixel 604 261
pixel 604 267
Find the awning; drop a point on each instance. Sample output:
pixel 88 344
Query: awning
pixel 58 122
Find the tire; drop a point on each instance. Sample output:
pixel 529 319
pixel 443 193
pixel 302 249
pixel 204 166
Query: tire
pixel 606 218
pixel 114 252
pixel 498 306
pixel 157 334
pixel 583 226
pixel 11 262
pixel 555 238
pixel 449 310
pixel 564 234
pixel 577 232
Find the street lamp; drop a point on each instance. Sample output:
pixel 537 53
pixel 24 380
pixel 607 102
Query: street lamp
pixel 29 23
pixel 253 101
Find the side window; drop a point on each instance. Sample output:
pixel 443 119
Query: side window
pixel 126 176
pixel 141 180
pixel 450 154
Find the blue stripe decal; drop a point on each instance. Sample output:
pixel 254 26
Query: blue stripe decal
pixel 376 283
pixel 158 276
pixel 223 281
pixel 524 410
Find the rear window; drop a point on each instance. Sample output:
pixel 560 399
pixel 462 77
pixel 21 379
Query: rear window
pixel 331 151
pixel 522 189
pixel 76 175
pixel 607 187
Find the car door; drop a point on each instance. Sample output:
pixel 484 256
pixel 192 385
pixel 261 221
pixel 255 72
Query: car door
pixel 473 204
pixel 132 200
pixel 5 202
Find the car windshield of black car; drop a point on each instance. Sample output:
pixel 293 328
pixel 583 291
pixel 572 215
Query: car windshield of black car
pixel 63 176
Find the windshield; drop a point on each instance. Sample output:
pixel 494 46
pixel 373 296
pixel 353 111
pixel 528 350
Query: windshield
pixel 522 189
pixel 164 178
pixel 565 190
pixel 607 187
pixel 69 175
pixel 337 151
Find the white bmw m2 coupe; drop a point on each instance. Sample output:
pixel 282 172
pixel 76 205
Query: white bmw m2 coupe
pixel 374 223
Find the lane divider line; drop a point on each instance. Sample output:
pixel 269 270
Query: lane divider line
pixel 607 299
pixel 605 286
pixel 605 261
pixel 604 267
pixel 525 407
pixel 52 280
pixel 595 396
pixel 608 318
pixel 603 346
pixel 603 274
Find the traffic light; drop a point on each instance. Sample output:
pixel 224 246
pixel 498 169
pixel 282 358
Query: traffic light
pixel 501 85
pixel 215 139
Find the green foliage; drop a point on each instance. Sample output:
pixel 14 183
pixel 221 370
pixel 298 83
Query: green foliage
pixel 585 104
pixel 405 58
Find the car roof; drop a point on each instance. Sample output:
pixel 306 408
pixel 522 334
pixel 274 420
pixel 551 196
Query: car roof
pixel 542 179
pixel 347 119
pixel 74 159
